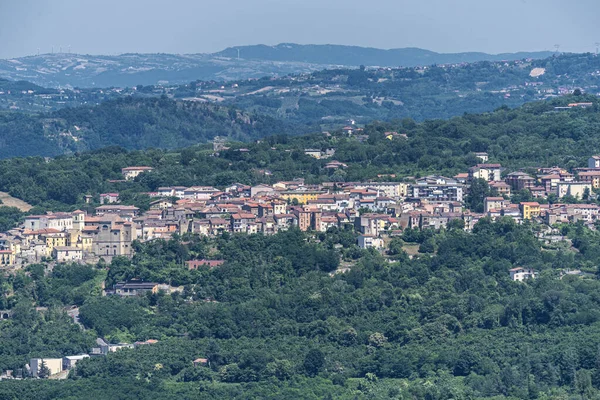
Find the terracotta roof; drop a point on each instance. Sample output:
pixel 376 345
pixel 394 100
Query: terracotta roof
pixel 42 231
pixel 243 215
pixel 194 264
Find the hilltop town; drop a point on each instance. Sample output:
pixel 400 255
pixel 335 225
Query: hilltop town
pixel 378 210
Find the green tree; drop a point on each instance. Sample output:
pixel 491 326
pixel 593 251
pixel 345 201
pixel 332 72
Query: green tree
pixel 314 362
pixel 44 371
pixel 478 191
pixel 456 224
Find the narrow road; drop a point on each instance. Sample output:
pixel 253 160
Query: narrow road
pixel 74 313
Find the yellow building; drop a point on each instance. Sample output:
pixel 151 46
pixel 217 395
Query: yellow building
pixel 301 196
pixel 7 244
pixel 403 189
pixel 592 177
pixel 54 365
pixel 530 209
pixel 55 240
pixel 7 258
pixel 85 243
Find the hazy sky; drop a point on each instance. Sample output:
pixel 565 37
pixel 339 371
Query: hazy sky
pixel 198 26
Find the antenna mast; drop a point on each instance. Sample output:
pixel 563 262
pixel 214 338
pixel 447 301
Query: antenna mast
pixel 597 45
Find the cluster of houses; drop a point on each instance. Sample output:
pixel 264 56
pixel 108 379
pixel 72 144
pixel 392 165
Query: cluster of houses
pixel 70 237
pixel 375 209
pixel 58 367
pixel 556 182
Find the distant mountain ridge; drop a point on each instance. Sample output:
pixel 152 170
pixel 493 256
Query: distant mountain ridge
pixel 368 56
pixel 75 70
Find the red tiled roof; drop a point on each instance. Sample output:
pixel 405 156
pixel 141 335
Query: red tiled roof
pixel 194 264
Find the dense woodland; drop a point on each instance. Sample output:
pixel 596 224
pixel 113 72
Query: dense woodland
pixel 133 123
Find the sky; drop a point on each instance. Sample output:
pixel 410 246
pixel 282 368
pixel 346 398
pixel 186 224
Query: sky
pixel 202 26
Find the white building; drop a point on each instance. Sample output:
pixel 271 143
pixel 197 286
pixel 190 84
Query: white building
pixel 368 241
pixel 109 198
pixel 387 189
pixel 594 162
pixel 482 156
pixel 520 274
pixel 488 172
pixel 58 221
pixel 67 253
pixel 130 173
pixel 199 192
pixel 70 361
pixel 575 189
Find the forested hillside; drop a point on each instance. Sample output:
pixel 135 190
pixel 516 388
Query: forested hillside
pixel 531 136
pixel 273 323
pixel 130 123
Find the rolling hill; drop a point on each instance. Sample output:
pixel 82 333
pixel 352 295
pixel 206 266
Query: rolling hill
pixel 76 70
pixel 132 123
pixel 368 56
